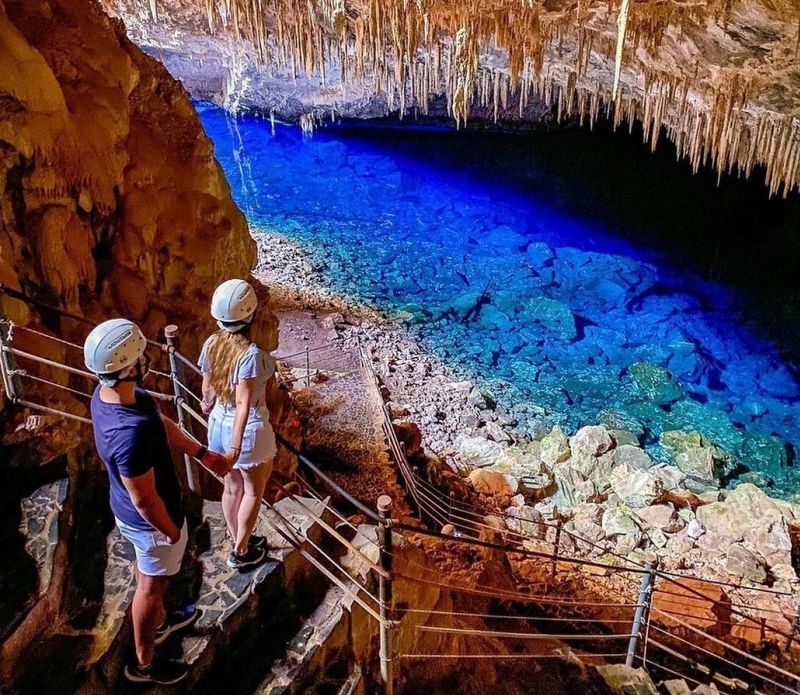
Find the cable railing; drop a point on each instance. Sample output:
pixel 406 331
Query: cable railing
pixel 701 654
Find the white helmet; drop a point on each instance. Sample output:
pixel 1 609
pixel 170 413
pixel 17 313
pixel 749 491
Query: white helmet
pixel 113 346
pixel 233 305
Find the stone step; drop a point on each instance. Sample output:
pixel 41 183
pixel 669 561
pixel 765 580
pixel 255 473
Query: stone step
pixel 237 606
pixel 319 657
pixel 34 572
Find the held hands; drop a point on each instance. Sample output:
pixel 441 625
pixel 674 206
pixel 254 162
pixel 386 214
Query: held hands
pixel 217 463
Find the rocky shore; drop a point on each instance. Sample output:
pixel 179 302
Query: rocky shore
pixel 598 480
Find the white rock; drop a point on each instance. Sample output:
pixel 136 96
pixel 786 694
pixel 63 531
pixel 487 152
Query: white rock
pixel 478 452
pixel 590 441
pixel 695 529
pixel 662 517
pixel 636 488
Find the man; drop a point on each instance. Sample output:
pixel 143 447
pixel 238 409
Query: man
pixel 133 440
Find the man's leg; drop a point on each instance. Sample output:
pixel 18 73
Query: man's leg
pixel 232 500
pixel 255 480
pixel 147 613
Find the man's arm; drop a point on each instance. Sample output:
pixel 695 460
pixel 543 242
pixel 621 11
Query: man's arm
pixel 213 461
pixel 142 490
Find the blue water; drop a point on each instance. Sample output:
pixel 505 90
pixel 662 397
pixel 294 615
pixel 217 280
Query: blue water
pixel 591 314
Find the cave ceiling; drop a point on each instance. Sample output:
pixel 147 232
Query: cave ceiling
pixel 720 78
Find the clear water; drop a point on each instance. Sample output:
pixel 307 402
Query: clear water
pixel 601 267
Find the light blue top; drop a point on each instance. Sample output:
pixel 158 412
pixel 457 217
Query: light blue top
pixel 255 363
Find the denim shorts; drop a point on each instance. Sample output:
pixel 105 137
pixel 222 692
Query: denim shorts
pixel 258 441
pixel 155 555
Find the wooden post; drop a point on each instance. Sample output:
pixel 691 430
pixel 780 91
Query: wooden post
pixel 385 590
pixel 176 372
pixel 308 369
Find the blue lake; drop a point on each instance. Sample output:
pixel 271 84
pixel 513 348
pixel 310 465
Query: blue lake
pixel 572 273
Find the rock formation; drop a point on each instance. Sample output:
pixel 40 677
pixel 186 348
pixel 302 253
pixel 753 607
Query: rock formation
pixel 720 77
pixel 112 205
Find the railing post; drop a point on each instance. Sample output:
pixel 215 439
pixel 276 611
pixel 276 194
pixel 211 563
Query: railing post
pixel 176 372
pixel 645 589
pixel 385 590
pixel 5 367
pixel 556 547
pixel 308 369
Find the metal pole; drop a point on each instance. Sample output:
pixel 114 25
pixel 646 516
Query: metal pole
pixel 385 590
pixel 644 591
pixel 308 369
pixel 176 372
pixel 557 546
pixel 5 368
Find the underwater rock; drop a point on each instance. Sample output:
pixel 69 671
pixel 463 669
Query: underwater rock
pixel 713 423
pixel 762 453
pixel 655 383
pixel 554 316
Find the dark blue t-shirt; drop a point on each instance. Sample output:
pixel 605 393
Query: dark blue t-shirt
pixel 131 440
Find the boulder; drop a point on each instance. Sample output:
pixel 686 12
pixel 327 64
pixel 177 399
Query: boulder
pixel 492 483
pixel 554 447
pixel 638 488
pixel 587 522
pixel 655 383
pixel 676 687
pixel 496 433
pixel 525 520
pixel 694 455
pixel 572 488
pixel 661 516
pixel 590 441
pixel 553 315
pixel 744 563
pixel 746 508
pixel 519 461
pixel 622 680
pixel 620 521
pixel 478 452
pixel 595 468
pixel 632 457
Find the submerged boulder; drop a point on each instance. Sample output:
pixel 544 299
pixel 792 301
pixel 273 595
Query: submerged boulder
pixel 655 383
pixel 694 455
pixel 553 315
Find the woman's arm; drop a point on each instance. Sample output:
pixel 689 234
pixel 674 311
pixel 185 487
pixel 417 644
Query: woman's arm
pixel 208 394
pixel 245 396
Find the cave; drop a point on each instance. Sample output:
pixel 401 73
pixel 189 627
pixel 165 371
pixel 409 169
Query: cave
pixel 528 274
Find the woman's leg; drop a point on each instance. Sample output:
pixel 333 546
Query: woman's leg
pixel 232 500
pixel 255 480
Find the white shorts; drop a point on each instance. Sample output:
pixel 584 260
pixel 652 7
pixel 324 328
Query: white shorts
pixel 258 441
pixel 155 556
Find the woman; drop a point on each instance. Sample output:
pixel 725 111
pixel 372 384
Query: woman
pixel 235 374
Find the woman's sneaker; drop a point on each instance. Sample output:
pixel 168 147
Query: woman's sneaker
pixel 177 620
pixel 157 673
pixel 256 542
pixel 252 557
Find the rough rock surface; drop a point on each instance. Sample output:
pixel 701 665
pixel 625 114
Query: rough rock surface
pixel 674 69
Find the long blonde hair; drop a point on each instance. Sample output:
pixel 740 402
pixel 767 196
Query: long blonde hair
pixel 224 352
